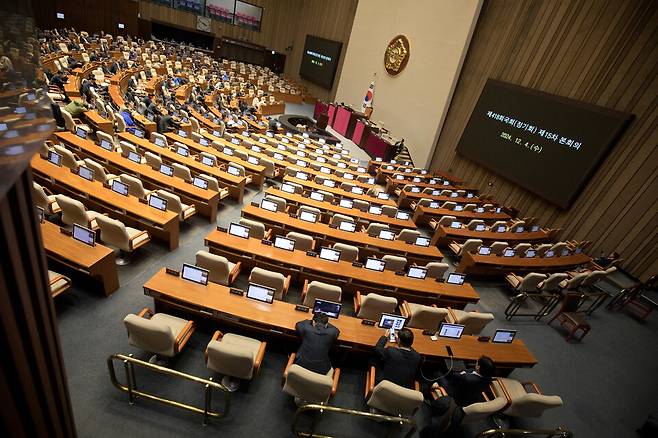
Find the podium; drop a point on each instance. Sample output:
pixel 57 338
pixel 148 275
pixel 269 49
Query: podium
pixel 345 121
pixel 376 146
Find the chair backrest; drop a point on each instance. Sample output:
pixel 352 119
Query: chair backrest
pixel 231 357
pixel 475 321
pixel 361 205
pixel 424 202
pixel 104 136
pixel 135 187
pixel 436 269
pixel 498 247
pixel 470 207
pixel 217 266
pixel 532 405
pixel 337 218
pixel 389 210
pixel 394 263
pixel 213 183
pixel 307 209
pixel 162 139
pixel 395 399
pixel 521 247
pixel 280 202
pixel 69 124
pixel 99 171
pixel 324 291
pixel 482 410
pixel 558 247
pixel 574 282
pixel 593 277
pixel 374 228
pixel 530 282
pixel 40 196
pixel 73 212
pixel 474 223
pixel 68 159
pixel 408 236
pixel 542 248
pixel 348 253
pixel 113 232
pixel 256 229
pixel 182 171
pixel 552 283
pixel 446 220
pixel 307 385
pixel 373 305
pixel 270 168
pixel 497 224
pixel 303 242
pixel 427 317
pixel 267 278
pixel 173 201
pixel 121 123
pixel 150 335
pixel 470 245
pixel 154 161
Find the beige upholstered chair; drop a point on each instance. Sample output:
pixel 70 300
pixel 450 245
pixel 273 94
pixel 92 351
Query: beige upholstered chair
pixel 469 246
pixel 374 228
pixel 558 247
pixel 135 187
pixel 470 207
pixel 542 248
pixel 372 306
pixel 299 189
pixel 449 205
pixel 303 242
pixel 208 157
pixel 520 248
pixel 256 229
pixel 337 218
pixel 393 399
pixel 348 253
pixel 159 333
pixel 390 211
pixel 234 356
pixel 423 317
pixel 436 269
pixel 100 174
pixel 154 161
pixel 408 236
pixel 220 269
pixel 552 283
pixel 161 139
pixel 174 204
pixel 394 263
pixel 181 171
pixel 115 233
pixel 312 210
pixel 68 158
pixel 477 411
pixel 241 170
pixel 446 220
pixel 323 291
pixel 574 282
pixel 281 204
pixel 275 280
pixel 127 147
pixel 474 322
pixel 270 169
pixel 495 225
pixel 328 197
pixel 472 225
pixel 527 284
pixel 307 386
pixel 520 401
pixel 44 199
pixel 361 205
pixel 422 202
pixel 498 248
pixel 73 212
pixel 107 137
pixel 58 283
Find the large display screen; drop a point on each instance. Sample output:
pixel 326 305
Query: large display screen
pixel 547 144
pixel 320 60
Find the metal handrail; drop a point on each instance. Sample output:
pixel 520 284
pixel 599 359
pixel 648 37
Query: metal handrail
pixel 129 362
pixel 319 409
pixel 547 433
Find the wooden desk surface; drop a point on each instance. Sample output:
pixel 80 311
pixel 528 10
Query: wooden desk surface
pixel 337 209
pixel 423 214
pixel 344 271
pixel 408 197
pixel 444 235
pixel 357 238
pixel 399 168
pixel 392 183
pixel 337 191
pixel 97 261
pixel 216 301
pixel 103 124
pixel 492 264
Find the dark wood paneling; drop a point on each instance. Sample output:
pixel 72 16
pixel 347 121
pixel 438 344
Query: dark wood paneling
pixel 89 15
pixel 605 53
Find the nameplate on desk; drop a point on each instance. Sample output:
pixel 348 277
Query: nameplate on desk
pixel 439 280
pixel 254 204
pixel 266 242
pixel 142 201
pixel 172 272
pixel 235 291
pixel 301 308
pixel 400 273
pixel 428 332
pixel 357 264
pixel 484 338
pixel 333 226
pixel 65 231
pixel 367 322
pixel 292 215
pixel 222 229
pixel 311 253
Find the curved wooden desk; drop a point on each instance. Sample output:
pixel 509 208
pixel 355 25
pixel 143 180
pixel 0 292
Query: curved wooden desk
pixel 423 215
pixel 496 265
pixel 444 235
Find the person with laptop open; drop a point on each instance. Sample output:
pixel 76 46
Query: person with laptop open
pixel 399 364
pixel 318 336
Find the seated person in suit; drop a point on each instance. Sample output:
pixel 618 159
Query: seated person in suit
pixel 318 336
pixel 165 122
pixel 466 387
pixel 399 364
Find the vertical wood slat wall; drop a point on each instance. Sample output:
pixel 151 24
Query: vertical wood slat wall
pixel 285 23
pixel 604 53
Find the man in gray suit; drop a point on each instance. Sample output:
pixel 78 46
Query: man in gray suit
pixel 318 336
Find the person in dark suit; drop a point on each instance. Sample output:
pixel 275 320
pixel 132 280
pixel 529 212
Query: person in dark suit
pixel 318 336
pixel 466 387
pixel 399 364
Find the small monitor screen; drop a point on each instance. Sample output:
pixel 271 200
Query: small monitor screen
pixel 308 216
pixel 329 254
pixel 149 115
pixel 282 147
pixel 287 188
pixel 182 150
pixel 346 203
pixel 371 180
pixel 301 153
pixel 266 204
pixel 480 227
pixel 340 164
pixel 139 133
pixel 329 308
pixel 455 224
pixel 301 175
pixel 509 252
pixel 378 159
pixel 81 132
pixel 361 169
pixel 284 243
pixel 84 235
pixel 262 140
pixel 253 160
pixel 325 170
pixel 455 278
pixel 181 132
pixel 434 204
pixel 446 183
pixel 417 272
pixel 453 331
pixel 321 160
pixel 382 195
pixel 86 173
pixel 238 230
pixel 119 187
pixel 227 151
pixel 167 170
pixel 158 202
pixel 499 209
pixel 479 209
pixel 415 189
pixel 233 170
pixel 329 183
pixel 578 250
pixel 260 293
pixel 402 215
pixel 301 163
pixel 407 170
pixel 317 196
pixel 454 195
pixel 530 253
pixel 208 161
pixel 347 226
pixel 203 142
pixel 375 209
pixel 399 177
pixel 534 228
pixel 501 228
pixel 422 241
pixel 216 134
pixel 256 148
pixel 200 183
pixel 459 207
pixel 357 190
pixel 159 141
pixel 387 235
pixel 278 156
pixel 436 192
pixel 520 229
pixel 195 274
pixel 390 321
pixel 55 158
pixel 504 336
pixel 348 176
pixel 550 253
pixel 375 264
pixel 484 250
pixel 134 157
pixel 565 253
pixel 106 145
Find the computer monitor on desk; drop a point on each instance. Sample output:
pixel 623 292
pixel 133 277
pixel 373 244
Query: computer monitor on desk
pixel 330 254
pixel 195 274
pixel 238 230
pixel 284 243
pixel 84 235
pixel 453 331
pixel 308 216
pixel 268 205
pixel 200 183
pixel 347 226
pixel 375 264
pixel 392 322
pixel 260 293
pixel 287 188
pixel 386 235
pixel 329 308
pixel 346 203
pixel 417 272
pixel 456 278
pixel 504 336
pixel 167 170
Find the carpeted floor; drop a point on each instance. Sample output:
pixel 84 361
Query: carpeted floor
pixel 607 382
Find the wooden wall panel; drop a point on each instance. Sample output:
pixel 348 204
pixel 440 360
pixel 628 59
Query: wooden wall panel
pixel 605 53
pixel 89 15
